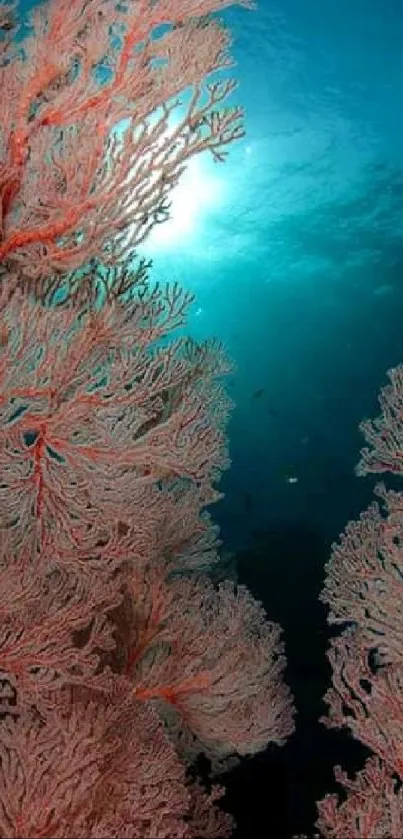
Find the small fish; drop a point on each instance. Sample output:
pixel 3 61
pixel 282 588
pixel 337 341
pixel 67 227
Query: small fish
pixel 289 476
pixel 258 393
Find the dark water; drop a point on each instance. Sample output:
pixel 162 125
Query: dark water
pixel 296 257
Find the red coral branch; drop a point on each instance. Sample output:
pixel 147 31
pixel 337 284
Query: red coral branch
pixel 364 589
pixel 88 150
pixel 120 660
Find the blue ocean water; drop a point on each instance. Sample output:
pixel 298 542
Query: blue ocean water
pixel 294 250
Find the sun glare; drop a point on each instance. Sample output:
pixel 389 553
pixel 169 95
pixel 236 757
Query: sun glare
pixel 198 189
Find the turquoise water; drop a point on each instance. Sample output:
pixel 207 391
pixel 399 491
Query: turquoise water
pixel 294 250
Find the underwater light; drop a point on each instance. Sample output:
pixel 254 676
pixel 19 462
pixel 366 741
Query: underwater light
pixel 199 188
